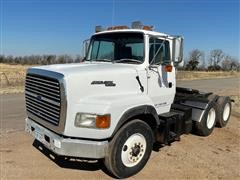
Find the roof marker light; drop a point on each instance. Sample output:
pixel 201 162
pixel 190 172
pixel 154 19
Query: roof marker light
pixel 149 28
pixel 137 25
pixel 117 27
pixel 99 29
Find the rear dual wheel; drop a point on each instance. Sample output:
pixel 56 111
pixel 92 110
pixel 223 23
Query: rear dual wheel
pixel 217 113
pixel 223 108
pixel 208 121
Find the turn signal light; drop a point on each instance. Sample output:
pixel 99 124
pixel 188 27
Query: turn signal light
pixel 168 68
pixel 103 121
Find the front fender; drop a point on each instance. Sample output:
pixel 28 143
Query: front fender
pixel 136 111
pixel 116 105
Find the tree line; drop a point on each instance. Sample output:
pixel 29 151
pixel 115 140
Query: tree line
pixel 40 59
pixel 216 60
pixel 196 60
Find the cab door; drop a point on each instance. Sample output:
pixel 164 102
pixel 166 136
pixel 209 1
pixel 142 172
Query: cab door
pixel 161 74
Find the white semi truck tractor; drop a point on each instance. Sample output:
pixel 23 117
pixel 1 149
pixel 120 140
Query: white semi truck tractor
pixel 120 101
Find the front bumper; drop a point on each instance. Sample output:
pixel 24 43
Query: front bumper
pixel 66 146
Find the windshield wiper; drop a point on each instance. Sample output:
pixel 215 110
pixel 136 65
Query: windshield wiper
pixel 130 60
pixel 101 60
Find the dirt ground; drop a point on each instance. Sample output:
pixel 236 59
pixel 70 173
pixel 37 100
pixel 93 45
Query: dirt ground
pixel 194 157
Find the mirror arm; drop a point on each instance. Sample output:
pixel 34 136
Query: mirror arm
pixel 152 66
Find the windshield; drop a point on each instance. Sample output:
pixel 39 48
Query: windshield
pixel 117 47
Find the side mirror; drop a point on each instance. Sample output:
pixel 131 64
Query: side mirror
pixel 85 48
pixel 177 52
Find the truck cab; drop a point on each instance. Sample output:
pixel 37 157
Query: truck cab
pixel 117 103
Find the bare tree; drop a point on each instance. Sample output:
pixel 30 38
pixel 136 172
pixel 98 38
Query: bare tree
pixel 229 63
pixel 194 59
pixel 216 57
pixel 202 63
pixel 39 59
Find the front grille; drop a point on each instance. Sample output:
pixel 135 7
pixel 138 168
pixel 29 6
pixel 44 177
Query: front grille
pixel 43 98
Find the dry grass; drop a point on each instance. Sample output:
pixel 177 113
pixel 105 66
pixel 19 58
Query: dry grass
pixel 12 89
pixel 191 75
pixel 12 77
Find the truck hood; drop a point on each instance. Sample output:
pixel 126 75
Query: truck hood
pixel 88 67
pixel 87 81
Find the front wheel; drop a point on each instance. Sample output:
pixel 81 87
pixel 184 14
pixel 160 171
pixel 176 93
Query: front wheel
pixel 130 149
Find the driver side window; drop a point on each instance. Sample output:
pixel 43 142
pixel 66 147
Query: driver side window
pixel 159 51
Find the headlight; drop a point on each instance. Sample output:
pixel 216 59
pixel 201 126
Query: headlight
pixel 92 120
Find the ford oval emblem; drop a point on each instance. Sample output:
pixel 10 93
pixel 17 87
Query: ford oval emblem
pixel 39 97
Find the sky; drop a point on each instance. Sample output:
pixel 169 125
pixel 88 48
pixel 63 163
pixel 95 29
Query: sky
pixel 59 26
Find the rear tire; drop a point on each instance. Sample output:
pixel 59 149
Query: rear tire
pixel 130 149
pixel 223 108
pixel 208 121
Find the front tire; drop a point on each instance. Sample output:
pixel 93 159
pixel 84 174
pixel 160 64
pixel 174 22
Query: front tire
pixel 130 149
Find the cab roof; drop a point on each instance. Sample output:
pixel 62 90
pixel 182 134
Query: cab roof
pixel 147 32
